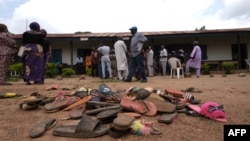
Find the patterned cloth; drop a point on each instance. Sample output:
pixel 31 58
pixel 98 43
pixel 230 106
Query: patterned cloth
pixel 33 62
pixel 8 49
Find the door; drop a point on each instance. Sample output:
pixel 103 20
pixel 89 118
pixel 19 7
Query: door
pixel 56 56
pixel 239 53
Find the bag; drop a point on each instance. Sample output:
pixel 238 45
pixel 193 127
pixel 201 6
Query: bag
pixel 21 51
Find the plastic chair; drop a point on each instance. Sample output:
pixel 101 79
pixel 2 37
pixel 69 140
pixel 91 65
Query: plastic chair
pixel 175 66
pixel 247 64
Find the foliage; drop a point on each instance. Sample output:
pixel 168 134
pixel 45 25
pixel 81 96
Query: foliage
pixel 16 67
pixel 228 68
pixel 205 69
pixel 67 72
pixel 51 70
pixel 88 71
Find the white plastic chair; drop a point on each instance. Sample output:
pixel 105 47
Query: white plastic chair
pixel 175 67
pixel 247 64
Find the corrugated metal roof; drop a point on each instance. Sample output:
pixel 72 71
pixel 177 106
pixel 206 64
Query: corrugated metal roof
pixel 153 33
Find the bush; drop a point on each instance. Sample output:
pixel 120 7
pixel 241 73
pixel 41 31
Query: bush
pixel 89 71
pixel 15 68
pixel 67 72
pixel 205 69
pixel 51 70
pixel 228 68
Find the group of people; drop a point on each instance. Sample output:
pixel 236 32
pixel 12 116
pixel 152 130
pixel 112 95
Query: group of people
pixel 34 58
pixel 128 61
pixel 137 61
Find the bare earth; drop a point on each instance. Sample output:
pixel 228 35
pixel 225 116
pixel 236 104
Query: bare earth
pixel 231 91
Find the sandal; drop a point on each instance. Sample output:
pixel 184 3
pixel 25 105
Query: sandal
pixel 192 89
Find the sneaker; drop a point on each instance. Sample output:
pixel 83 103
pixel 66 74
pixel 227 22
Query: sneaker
pixel 126 80
pixel 144 81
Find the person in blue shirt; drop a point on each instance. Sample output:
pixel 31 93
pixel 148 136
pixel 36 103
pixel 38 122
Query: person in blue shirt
pixel 136 55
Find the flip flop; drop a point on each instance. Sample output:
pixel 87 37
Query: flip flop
pixel 86 128
pixel 192 89
pixel 79 102
pixel 164 106
pixel 167 118
pixel 40 128
pixel 76 112
pixel 114 133
pixel 122 122
pixel 54 87
pixel 107 115
pixel 143 107
pixel 133 114
pixel 94 111
pixel 59 103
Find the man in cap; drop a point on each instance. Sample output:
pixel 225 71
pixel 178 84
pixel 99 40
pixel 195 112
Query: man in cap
pixel 195 59
pixel 137 55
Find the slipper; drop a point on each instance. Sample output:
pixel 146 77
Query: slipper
pixel 192 89
pixel 183 110
pixel 59 103
pixel 164 106
pixel 167 118
pixel 211 110
pixel 114 133
pixel 9 95
pixel 94 111
pixel 79 102
pixel 195 101
pixel 86 128
pixel 35 98
pixel 122 122
pixel 143 107
pixel 107 115
pixel 133 114
pixel 76 112
pixel 179 94
pixel 25 106
pixel 40 128
pixel 54 87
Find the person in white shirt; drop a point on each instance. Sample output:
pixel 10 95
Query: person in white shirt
pixel 79 64
pixel 121 58
pixel 150 61
pixel 105 60
pixel 163 59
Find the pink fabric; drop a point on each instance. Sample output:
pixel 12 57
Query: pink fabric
pixel 213 115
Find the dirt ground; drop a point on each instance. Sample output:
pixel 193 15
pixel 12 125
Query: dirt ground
pixel 231 91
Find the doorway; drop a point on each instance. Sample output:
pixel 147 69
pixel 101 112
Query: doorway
pixel 239 53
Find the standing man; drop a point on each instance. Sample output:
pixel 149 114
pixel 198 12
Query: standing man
pixel 105 60
pixel 163 59
pixel 150 61
pixel 94 61
pixel 195 59
pixel 79 64
pixel 121 58
pixel 137 56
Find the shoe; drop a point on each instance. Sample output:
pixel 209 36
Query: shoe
pixel 126 80
pixel 144 81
